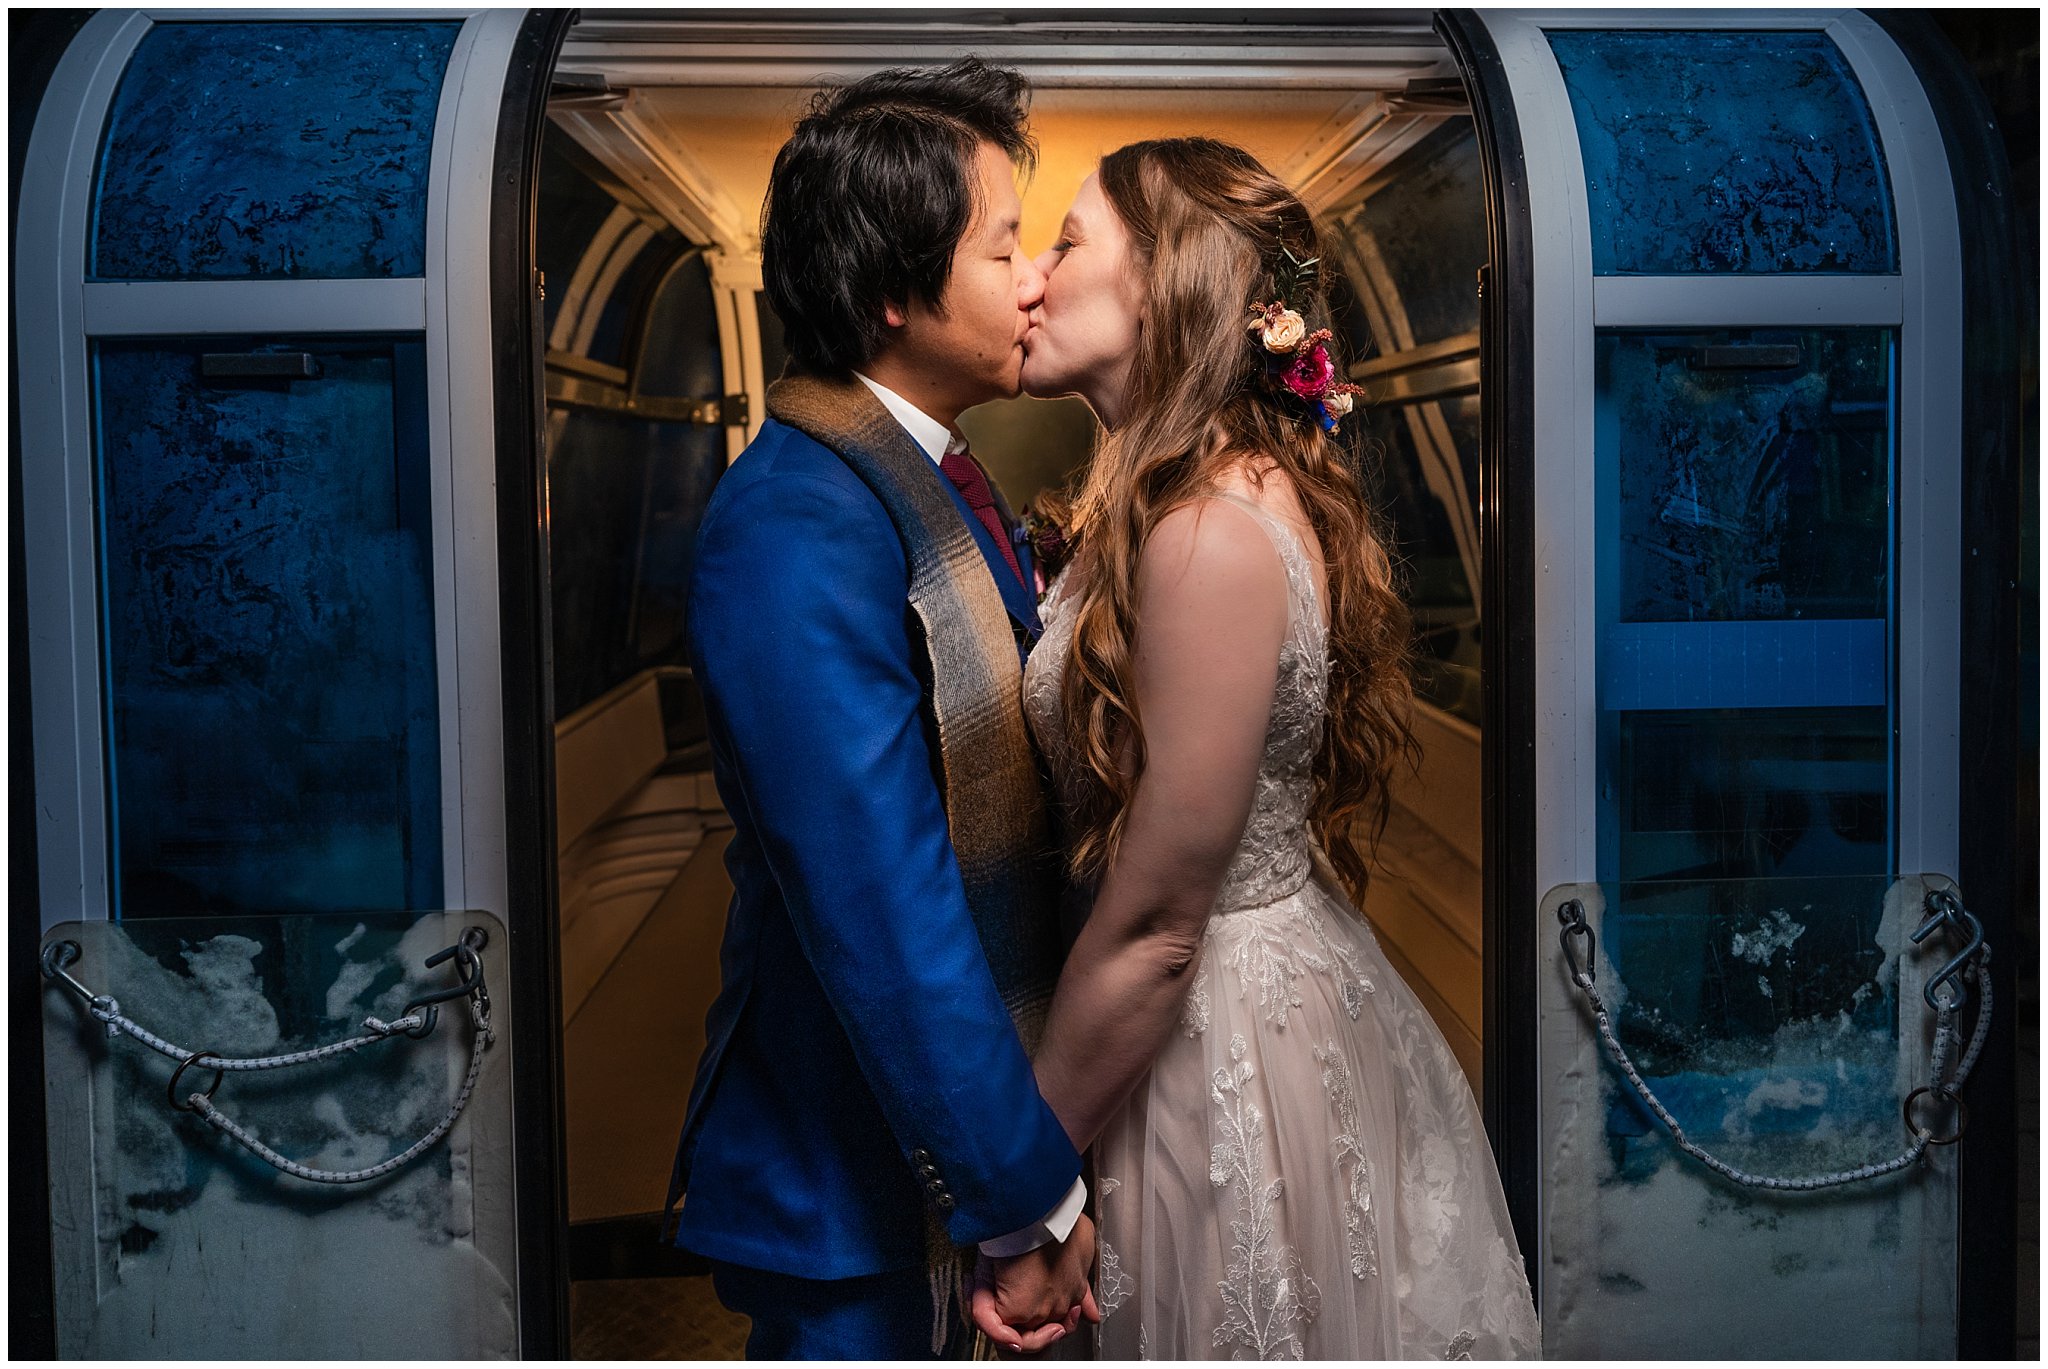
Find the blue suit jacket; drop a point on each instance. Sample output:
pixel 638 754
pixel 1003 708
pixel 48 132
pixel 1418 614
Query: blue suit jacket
pixel 860 1070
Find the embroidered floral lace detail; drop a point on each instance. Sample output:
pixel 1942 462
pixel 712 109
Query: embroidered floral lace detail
pixel 1273 857
pixel 1194 1014
pixel 1347 1151
pixel 1112 1285
pixel 1387 1176
pixel 1267 1299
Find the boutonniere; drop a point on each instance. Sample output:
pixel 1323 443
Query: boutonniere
pixel 1051 548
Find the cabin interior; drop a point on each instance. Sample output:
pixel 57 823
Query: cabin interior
pixel 659 348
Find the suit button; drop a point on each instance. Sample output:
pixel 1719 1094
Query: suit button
pixel 929 1171
pixel 944 1202
pixel 920 1157
pixel 935 1187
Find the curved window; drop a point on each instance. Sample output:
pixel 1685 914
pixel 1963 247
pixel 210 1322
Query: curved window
pixel 1411 253
pixel 636 427
pixel 268 151
pixel 1726 152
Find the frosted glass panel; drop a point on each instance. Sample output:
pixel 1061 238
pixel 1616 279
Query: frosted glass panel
pixel 1726 152
pixel 269 627
pixel 171 1241
pixel 256 151
pixel 1752 469
pixel 1804 1075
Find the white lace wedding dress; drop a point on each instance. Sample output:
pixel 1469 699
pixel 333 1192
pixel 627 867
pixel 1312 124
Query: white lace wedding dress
pixel 1303 1172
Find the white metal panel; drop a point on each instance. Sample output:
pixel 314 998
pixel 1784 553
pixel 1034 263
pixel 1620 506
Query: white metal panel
pixel 187 307
pixel 1747 301
pixel 58 546
pixel 1930 453
pixel 1566 741
pixel 463 442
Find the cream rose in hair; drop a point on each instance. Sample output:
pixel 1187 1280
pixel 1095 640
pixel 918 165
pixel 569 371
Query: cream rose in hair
pixel 1284 331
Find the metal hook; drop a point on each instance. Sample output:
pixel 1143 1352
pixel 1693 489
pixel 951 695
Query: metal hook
pixel 1571 915
pixel 469 974
pixel 1945 910
pixel 55 957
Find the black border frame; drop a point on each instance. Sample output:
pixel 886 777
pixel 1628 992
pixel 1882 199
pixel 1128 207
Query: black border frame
pixel 37 41
pixel 532 913
pixel 1507 745
pixel 1999 342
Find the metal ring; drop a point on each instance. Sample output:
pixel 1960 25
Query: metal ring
pixel 1962 1117
pixel 218 1075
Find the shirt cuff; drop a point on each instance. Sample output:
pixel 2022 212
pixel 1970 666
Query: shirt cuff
pixel 1056 1225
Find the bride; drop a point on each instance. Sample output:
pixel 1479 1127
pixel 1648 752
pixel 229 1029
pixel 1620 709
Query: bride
pixel 1288 1161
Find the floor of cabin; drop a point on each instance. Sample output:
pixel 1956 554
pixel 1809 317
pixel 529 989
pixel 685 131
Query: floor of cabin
pixel 637 1319
pixel 629 1051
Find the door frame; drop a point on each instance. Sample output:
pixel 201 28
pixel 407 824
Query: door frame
pixel 1979 748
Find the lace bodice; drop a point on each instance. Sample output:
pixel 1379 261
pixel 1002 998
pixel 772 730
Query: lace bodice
pixel 1272 859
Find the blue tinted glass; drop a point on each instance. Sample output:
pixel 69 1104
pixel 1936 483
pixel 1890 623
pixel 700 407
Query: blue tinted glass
pixel 269 629
pixel 1729 794
pixel 271 150
pixel 1752 472
pixel 1424 458
pixel 1418 242
pixel 1726 152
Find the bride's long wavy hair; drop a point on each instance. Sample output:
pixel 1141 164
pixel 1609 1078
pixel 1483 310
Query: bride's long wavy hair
pixel 1207 226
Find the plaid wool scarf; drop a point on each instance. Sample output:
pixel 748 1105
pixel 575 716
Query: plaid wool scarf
pixel 995 799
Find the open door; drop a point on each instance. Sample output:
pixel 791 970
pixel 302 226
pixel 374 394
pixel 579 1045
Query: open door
pixel 279 416
pixel 1736 739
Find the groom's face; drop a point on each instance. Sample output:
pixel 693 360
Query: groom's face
pixel 971 344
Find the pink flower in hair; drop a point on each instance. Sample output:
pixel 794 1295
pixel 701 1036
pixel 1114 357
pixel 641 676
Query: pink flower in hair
pixel 1311 373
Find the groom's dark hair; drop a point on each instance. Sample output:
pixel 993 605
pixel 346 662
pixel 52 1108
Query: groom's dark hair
pixel 869 198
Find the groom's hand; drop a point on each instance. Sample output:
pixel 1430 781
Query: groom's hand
pixel 1028 1301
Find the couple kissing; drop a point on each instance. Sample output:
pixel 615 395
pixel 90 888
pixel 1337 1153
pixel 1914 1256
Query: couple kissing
pixel 1165 713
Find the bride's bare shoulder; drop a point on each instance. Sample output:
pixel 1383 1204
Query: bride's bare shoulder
pixel 1209 546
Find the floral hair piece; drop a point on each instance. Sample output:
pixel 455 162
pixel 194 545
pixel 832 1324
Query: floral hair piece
pixel 1298 361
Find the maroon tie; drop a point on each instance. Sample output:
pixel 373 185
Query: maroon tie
pixel 965 473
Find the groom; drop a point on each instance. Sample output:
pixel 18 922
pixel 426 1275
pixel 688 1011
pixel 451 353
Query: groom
pixel 864 1114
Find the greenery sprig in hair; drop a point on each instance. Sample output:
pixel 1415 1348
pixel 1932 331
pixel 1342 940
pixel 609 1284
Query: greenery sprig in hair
pixel 1298 362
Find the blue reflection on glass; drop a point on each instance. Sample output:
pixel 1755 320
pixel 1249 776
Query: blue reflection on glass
pixel 260 151
pixel 269 630
pixel 1726 152
pixel 1418 242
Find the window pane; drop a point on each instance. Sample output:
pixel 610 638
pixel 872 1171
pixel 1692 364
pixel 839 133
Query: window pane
pixel 1416 245
pixel 625 497
pixel 269 630
pixel 271 150
pixel 1726 152
pixel 1424 462
pixel 1754 472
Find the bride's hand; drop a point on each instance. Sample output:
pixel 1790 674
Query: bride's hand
pixel 1027 1302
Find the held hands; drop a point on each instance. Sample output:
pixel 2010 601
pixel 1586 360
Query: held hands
pixel 1028 1301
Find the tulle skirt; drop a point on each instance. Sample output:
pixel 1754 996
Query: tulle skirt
pixel 1303 1173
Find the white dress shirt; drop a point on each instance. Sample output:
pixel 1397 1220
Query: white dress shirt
pixel 938 442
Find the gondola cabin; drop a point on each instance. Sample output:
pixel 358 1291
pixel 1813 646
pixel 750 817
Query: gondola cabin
pixel 373 370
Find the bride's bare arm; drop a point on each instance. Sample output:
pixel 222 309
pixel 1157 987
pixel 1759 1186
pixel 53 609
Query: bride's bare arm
pixel 1212 611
